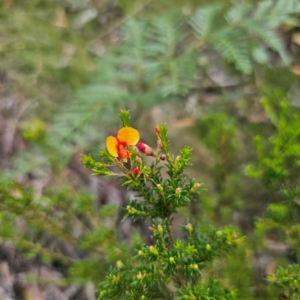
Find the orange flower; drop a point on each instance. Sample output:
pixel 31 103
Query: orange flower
pixel 118 147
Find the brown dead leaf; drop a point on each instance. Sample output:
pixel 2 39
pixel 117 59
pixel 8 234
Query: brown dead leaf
pixel 297 201
pixel 8 3
pixel 282 297
pixel 5 274
pixel 34 293
pixel 259 117
pixel 61 18
pixel 296 69
pixel 296 38
pixel 185 122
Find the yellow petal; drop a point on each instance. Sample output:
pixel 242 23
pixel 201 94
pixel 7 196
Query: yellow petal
pixel 111 145
pixel 129 135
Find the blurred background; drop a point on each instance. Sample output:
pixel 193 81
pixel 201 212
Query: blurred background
pixel 223 75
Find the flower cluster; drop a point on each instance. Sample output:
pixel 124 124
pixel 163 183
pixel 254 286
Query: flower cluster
pixel 127 141
pixel 127 137
pixel 168 262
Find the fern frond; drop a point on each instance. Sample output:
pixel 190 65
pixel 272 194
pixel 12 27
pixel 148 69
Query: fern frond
pixel 275 13
pixel 165 68
pixel 237 14
pixel 133 31
pixel 229 41
pixel 262 20
pixel 233 46
pixel 166 33
pixel 269 37
pixel 206 20
pixel 90 105
pixel 263 9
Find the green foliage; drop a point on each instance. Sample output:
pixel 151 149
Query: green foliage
pixel 279 158
pixel 170 267
pixel 278 167
pixel 125 118
pixel 219 133
pixel 238 30
pixel 68 219
pixel 287 280
pixel 66 69
pixel 41 52
pixel 157 59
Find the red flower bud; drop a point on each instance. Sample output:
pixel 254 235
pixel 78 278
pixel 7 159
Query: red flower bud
pixel 156 130
pixel 147 150
pixel 142 147
pixel 136 170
